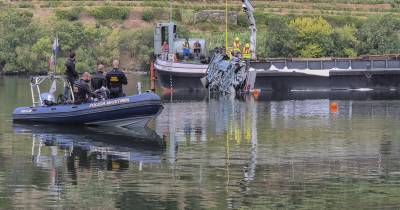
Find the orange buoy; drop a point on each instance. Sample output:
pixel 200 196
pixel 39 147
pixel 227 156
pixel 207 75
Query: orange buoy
pixel 256 93
pixel 334 107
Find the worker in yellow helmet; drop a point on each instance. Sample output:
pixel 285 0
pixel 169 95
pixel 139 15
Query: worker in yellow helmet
pixel 237 45
pixel 247 52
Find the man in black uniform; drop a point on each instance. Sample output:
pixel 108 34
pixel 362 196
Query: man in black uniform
pixel 70 71
pixel 98 80
pixel 81 89
pixel 115 79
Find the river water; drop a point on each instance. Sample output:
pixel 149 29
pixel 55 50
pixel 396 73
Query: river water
pixel 276 151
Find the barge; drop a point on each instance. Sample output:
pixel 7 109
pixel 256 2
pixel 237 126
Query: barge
pixel 175 73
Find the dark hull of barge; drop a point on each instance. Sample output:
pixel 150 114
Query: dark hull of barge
pixel 344 74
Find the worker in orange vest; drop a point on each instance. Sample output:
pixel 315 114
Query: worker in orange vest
pixel 247 52
pixel 237 45
pixel 197 49
pixel 186 49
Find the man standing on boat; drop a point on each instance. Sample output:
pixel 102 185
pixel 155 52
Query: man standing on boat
pixel 186 50
pixel 70 71
pixel 98 80
pixel 71 75
pixel 115 79
pixel 197 49
pixel 165 51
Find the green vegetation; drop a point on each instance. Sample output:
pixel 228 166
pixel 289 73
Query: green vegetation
pixel 69 14
pixel 316 37
pixel 148 15
pixel 110 12
pixel 26 45
pixel 101 30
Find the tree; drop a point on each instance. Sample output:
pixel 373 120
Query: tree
pixel 42 51
pixel 17 34
pixel 280 40
pixel 311 51
pixel 378 35
pixel 139 44
pixel 313 36
pixel 345 41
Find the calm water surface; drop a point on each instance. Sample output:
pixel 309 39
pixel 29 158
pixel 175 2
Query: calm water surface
pixel 209 153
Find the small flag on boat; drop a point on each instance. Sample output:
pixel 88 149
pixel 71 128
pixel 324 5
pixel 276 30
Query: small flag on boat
pixel 56 46
pixel 52 62
pixel 53 87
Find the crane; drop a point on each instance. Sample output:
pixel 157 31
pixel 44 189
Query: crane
pixel 249 9
pixel 228 76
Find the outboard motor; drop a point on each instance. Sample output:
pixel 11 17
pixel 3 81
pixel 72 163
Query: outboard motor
pixel 48 99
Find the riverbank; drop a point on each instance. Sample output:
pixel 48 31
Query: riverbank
pixel 96 36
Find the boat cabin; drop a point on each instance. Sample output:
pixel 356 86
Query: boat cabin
pixel 167 32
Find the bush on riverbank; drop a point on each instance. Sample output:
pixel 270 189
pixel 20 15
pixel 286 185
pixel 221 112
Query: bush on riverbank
pixel 69 14
pixel 316 37
pixel 26 45
pixel 110 12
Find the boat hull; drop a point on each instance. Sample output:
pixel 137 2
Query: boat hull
pixel 180 76
pixel 301 75
pixel 287 81
pixel 131 110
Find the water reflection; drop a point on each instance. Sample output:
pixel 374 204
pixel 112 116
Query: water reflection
pixel 117 146
pixel 304 145
pixel 289 95
pixel 103 147
pixel 214 153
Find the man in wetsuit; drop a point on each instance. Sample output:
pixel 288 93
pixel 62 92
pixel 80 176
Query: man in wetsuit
pixel 115 79
pixel 71 75
pixel 98 79
pixel 70 71
pixel 81 89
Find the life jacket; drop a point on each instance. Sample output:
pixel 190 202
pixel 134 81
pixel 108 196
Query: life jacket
pixel 197 45
pixel 236 46
pixel 115 79
pixel 246 53
pixel 186 45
